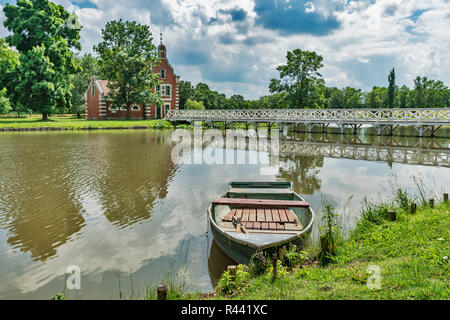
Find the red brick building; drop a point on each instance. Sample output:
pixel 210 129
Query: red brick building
pixel 99 106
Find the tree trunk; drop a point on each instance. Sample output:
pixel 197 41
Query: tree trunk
pixel 128 112
pixel 44 116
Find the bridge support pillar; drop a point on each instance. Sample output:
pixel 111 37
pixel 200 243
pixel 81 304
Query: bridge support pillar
pixel 309 127
pixel 355 128
pixel 324 127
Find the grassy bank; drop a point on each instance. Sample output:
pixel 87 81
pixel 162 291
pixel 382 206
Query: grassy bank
pixel 73 123
pixel 411 255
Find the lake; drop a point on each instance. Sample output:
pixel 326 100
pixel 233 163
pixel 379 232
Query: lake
pixel 115 204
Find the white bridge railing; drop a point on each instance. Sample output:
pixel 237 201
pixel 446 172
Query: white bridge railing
pixel 319 116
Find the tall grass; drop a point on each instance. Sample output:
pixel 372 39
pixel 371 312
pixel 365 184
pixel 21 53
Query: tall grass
pixel 176 277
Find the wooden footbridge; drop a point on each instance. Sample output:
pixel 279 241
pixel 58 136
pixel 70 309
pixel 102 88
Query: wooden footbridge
pixel 384 121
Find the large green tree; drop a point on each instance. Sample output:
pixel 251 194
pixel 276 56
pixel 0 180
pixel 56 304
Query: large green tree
pixel 41 35
pixel 127 58
pixel 301 80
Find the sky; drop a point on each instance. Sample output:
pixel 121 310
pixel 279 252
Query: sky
pixel 235 45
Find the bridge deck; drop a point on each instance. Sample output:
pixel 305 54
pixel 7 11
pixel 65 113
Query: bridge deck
pixel 378 118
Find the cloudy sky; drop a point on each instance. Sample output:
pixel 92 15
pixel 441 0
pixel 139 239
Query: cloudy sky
pixel 235 45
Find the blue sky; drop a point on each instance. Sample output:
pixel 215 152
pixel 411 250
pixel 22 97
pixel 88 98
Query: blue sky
pixel 235 45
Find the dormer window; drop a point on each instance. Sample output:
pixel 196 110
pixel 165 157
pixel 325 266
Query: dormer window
pixel 163 73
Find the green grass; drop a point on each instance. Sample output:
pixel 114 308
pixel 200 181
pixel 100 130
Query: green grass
pixel 72 122
pixel 412 254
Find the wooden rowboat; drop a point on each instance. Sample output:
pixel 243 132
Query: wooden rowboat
pixel 254 216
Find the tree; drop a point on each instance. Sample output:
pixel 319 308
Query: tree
pixel 4 102
pixel 127 58
pixel 9 63
pixel 194 105
pixel 80 81
pixel 337 99
pixel 391 90
pixel 186 92
pixel 403 97
pixel 300 78
pixel 41 35
pixel 377 98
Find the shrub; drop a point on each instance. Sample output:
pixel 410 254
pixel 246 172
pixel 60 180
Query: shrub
pixel 258 263
pixel 230 284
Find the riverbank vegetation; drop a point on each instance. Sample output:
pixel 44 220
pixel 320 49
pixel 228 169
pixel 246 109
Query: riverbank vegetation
pixel 384 258
pixel 72 122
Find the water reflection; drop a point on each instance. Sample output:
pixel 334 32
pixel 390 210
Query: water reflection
pixel 132 179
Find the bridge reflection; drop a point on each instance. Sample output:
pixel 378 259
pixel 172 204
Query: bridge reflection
pixel 427 152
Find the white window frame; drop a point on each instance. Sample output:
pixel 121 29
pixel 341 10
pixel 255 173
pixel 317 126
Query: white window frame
pixel 136 106
pixel 170 90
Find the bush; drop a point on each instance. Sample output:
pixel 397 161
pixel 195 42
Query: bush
pixel 294 257
pixel 258 263
pixel 229 284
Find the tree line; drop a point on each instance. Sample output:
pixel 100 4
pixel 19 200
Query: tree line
pixel 41 72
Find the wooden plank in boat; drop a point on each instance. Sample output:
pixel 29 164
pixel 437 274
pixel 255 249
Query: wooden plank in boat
pixel 252 215
pixel 291 227
pixel 238 213
pixel 261 216
pixel 249 225
pixel 275 215
pixel 264 226
pixel 261 203
pixel 283 216
pixel 280 226
pixel 272 226
pixel 268 215
pixel 290 216
pixel 245 216
pixel 256 225
pixel 229 216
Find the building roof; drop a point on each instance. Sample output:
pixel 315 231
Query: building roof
pixel 103 86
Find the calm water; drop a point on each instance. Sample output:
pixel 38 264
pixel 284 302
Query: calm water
pixel 114 204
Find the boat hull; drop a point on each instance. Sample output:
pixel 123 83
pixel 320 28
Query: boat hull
pixel 242 252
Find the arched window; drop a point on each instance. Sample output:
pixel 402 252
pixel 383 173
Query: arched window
pixel 93 90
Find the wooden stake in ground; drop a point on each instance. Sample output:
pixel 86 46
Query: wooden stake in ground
pixel 392 216
pixel 274 265
pixel 232 271
pixel 162 292
pixel 413 208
